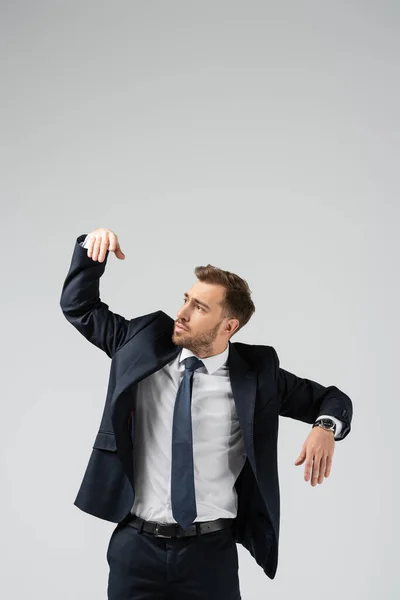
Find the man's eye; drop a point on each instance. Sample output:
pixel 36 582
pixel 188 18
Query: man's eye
pixel 197 305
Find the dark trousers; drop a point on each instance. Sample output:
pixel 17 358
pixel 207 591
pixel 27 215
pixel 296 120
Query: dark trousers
pixel 145 567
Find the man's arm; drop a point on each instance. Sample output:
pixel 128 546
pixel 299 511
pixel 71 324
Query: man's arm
pixel 306 400
pixel 81 304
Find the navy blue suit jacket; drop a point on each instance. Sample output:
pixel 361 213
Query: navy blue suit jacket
pixel 262 391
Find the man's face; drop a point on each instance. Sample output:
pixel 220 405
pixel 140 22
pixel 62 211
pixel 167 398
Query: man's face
pixel 205 332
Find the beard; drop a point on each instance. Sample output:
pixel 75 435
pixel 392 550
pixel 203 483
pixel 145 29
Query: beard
pixel 200 343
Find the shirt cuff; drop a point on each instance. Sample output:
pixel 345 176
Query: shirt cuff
pixel 83 244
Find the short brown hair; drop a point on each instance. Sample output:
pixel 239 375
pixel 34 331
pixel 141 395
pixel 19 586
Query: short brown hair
pixel 237 303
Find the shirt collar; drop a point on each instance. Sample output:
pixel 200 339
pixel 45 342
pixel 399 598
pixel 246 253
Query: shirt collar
pixel 211 363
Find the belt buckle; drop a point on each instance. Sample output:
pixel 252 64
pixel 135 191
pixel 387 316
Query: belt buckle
pixel 157 534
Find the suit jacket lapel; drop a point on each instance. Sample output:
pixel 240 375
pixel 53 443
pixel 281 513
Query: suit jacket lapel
pixel 244 387
pixel 149 358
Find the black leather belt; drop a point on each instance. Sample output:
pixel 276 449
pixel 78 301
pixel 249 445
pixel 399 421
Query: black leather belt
pixel 172 530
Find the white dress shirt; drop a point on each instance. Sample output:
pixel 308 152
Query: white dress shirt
pixel 218 446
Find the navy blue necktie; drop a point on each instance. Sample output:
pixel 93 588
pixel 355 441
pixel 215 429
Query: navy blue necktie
pixel 183 498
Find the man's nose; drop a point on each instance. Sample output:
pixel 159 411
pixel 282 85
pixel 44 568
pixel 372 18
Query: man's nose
pixel 181 314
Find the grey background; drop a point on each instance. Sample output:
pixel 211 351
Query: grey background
pixel 261 137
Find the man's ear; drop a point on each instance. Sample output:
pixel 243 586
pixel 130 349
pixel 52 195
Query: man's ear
pixel 233 326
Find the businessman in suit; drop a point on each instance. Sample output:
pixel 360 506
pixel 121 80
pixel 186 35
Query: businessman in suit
pixel 185 458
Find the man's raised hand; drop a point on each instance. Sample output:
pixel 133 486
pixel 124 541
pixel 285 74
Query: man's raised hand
pixel 99 241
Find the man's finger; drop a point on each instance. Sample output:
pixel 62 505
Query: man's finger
pixel 113 242
pixel 322 469
pixel 90 245
pixel 301 457
pixel 104 247
pixel 96 248
pixel 308 467
pixel 329 461
pixel 315 472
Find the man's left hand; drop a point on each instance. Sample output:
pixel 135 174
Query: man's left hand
pixel 317 451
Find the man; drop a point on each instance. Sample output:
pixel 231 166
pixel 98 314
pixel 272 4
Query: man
pixel 185 459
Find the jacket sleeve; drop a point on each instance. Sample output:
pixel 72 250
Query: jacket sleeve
pixel 81 305
pixel 306 400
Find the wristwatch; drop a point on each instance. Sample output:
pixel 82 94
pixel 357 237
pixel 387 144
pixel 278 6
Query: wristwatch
pixel 327 424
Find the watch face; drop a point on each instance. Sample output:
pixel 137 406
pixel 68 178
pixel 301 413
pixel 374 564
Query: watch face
pixel 328 423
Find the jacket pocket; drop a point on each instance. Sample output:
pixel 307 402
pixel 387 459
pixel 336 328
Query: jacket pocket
pixel 105 440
